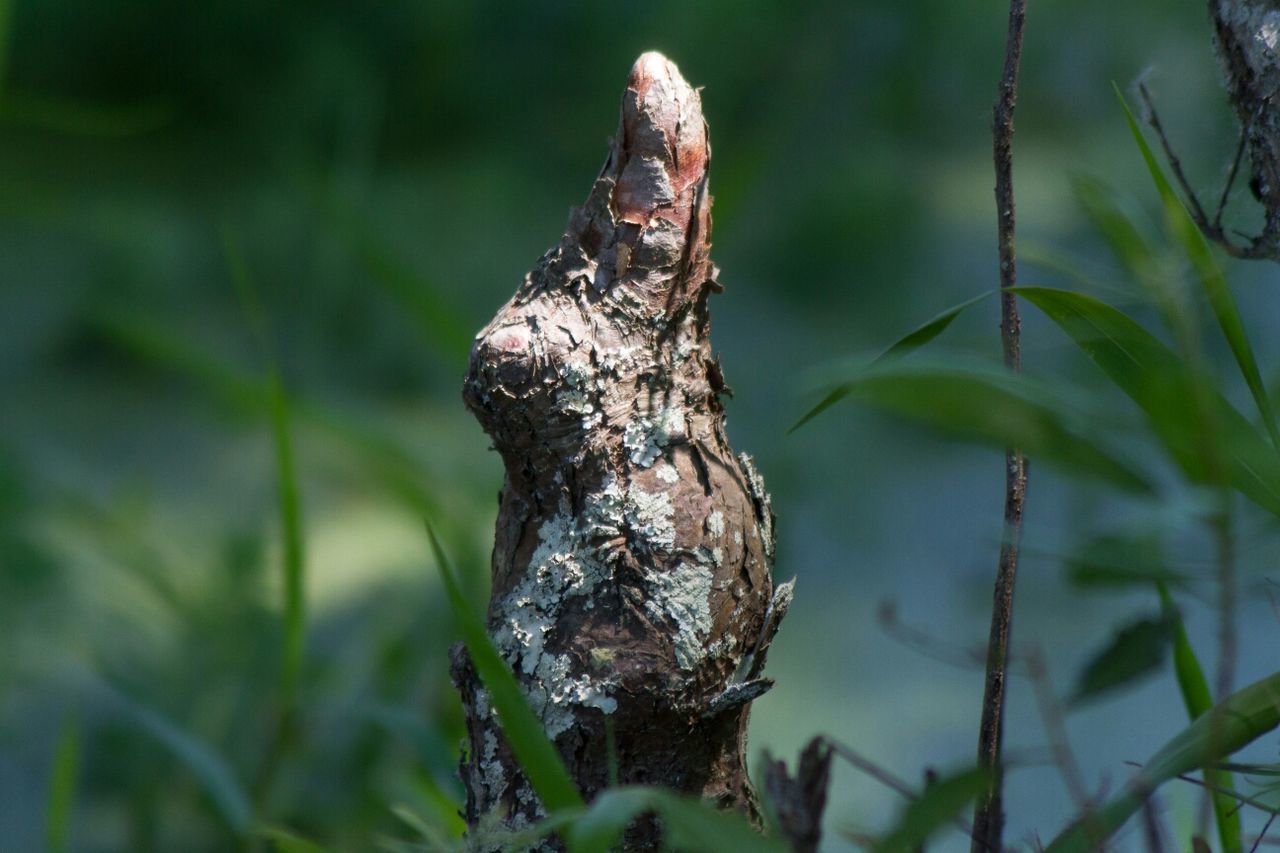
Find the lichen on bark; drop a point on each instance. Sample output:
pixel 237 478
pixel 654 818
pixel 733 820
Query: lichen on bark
pixel 633 548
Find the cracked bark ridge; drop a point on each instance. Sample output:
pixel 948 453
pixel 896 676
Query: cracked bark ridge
pixel 632 554
pixel 1247 35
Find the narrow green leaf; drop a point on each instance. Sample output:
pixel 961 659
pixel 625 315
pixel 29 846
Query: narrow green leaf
pixel 295 617
pixel 1182 228
pixel 909 342
pixel 989 405
pixel 538 756
pixel 1241 719
pixel 1155 378
pixel 1197 699
pixel 920 336
pixel 933 809
pixel 1191 680
pixel 294 561
pixel 62 787
pixel 1136 650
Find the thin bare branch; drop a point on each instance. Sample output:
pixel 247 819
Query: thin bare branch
pixel 989 810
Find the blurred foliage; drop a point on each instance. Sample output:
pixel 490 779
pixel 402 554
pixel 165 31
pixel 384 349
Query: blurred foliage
pixel 390 170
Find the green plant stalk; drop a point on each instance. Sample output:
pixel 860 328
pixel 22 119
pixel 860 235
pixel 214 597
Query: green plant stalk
pixel 62 787
pixel 1198 701
pixel 293 566
pixel 1234 723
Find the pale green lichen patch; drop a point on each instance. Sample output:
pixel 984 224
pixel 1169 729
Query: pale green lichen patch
pixel 565 565
pixel 681 597
pixel 645 437
pixel 492 773
pixel 649 515
pixel 715 524
pixel 577 397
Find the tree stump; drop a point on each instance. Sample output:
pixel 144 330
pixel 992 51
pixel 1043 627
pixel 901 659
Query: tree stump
pixel 632 555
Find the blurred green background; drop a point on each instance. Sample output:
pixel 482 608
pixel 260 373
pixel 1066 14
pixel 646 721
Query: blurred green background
pixel 387 171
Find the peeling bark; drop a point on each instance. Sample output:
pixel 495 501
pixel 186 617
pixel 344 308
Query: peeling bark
pixel 632 555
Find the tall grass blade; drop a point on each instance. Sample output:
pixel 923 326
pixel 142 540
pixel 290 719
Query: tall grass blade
pixel 293 566
pixel 62 787
pixel 909 342
pixel 538 756
pixel 295 617
pixel 1182 228
pixel 1198 701
pixel 1242 718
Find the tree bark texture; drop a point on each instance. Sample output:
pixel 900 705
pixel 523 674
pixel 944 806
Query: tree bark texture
pixel 1247 35
pixel 632 556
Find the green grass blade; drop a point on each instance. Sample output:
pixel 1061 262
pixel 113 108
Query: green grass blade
pixel 1183 230
pixel 909 342
pixel 932 810
pixel 1155 378
pixel 988 405
pixel 1242 718
pixel 1198 701
pixel 293 567
pixel 926 332
pixel 523 730
pixel 62 787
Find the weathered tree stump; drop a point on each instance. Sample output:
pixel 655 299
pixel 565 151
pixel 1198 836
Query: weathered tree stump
pixel 631 567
